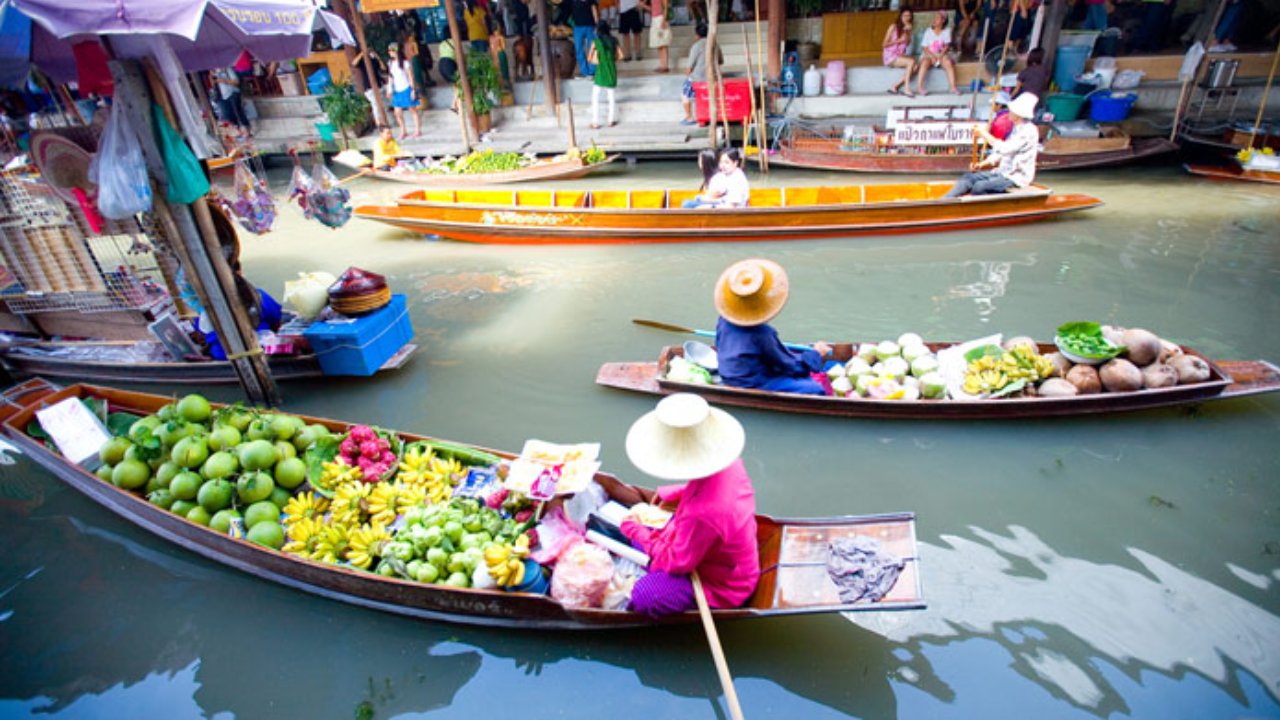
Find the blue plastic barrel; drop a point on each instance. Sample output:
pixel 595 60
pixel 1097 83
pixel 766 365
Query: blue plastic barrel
pixel 1068 64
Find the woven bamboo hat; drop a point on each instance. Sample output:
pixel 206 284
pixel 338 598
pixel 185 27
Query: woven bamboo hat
pixel 1024 106
pixel 684 438
pixel 751 292
pixel 63 164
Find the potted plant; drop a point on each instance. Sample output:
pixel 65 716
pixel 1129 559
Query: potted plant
pixel 485 89
pixel 347 109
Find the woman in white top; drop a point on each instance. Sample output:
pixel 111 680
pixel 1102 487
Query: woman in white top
pixel 935 49
pixel 400 90
pixel 729 187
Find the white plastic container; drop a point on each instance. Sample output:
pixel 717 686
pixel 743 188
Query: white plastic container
pixel 834 79
pixel 812 81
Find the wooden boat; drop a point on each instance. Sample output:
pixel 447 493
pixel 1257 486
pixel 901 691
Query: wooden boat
pixel 566 169
pixel 1229 379
pixel 538 217
pixel 206 372
pixel 793 553
pixel 1059 153
pixel 1234 172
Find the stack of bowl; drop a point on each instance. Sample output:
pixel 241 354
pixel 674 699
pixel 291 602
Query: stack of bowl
pixel 358 292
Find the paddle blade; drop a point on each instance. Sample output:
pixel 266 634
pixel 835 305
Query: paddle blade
pixel 663 326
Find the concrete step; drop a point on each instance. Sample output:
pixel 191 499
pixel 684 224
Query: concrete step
pixel 280 107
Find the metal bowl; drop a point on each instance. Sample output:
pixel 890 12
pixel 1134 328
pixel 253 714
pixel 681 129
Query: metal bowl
pixel 702 354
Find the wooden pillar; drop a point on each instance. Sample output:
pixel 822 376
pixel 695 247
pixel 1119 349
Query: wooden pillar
pixel 344 11
pixel 713 73
pixel 227 314
pixel 1054 20
pixel 468 111
pixel 777 35
pixel 549 75
pixel 357 24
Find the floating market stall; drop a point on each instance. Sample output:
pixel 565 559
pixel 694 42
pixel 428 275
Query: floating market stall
pixel 486 167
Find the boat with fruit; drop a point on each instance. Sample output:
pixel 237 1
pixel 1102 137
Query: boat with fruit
pixel 538 217
pixel 969 381
pixel 366 511
pixel 460 173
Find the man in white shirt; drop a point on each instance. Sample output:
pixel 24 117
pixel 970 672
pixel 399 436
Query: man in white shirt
pixel 1013 158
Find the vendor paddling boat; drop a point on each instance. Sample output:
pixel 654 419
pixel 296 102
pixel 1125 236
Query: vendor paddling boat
pixel 538 217
pixel 793 553
pixel 1225 379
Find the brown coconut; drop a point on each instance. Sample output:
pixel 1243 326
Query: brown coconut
pixel 1120 375
pixel 1085 378
pixel 1190 369
pixel 1014 342
pixel 1168 351
pixel 1061 365
pixel 1143 346
pixel 1057 387
pixel 1159 375
pixel 1113 334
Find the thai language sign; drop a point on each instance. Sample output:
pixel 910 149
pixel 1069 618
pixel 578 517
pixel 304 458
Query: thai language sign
pixel 933 133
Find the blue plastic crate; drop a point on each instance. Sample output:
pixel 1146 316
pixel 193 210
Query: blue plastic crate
pixel 360 346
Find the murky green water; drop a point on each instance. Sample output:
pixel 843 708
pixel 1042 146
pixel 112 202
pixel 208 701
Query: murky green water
pixel 1116 566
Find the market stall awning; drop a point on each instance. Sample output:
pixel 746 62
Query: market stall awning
pixel 205 34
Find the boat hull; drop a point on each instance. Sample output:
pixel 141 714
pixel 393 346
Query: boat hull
pixel 829 156
pixel 1230 379
pixel 792 582
pixel 1234 172
pixel 487 221
pixel 543 171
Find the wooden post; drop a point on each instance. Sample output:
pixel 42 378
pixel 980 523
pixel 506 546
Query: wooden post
pixel 549 75
pixel 1262 104
pixel 358 25
pixel 751 90
pixel 1054 20
pixel 228 316
pixel 202 93
pixel 348 14
pixel 573 138
pixel 777 35
pixel 467 110
pixel 713 72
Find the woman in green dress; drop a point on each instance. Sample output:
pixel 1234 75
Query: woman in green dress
pixel 604 54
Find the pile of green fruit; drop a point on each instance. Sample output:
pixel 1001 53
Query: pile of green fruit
pixel 446 542
pixel 482 161
pixel 233 468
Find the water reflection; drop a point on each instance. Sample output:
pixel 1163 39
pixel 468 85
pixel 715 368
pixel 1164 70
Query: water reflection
pixel 1149 618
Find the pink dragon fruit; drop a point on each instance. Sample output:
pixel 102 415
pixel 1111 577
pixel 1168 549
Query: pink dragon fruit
pixel 388 458
pixel 370 449
pixel 524 515
pixel 349 446
pixel 494 501
pixel 363 433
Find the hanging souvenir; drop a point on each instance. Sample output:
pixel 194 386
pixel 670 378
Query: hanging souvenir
pixel 329 201
pixel 300 187
pixel 252 204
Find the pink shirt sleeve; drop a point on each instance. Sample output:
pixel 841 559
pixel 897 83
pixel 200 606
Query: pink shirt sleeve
pixel 680 547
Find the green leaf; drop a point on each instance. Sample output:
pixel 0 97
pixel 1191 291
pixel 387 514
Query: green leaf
pixel 36 431
pixel 320 452
pixel 983 351
pixel 118 423
pixel 1092 329
pixel 1009 389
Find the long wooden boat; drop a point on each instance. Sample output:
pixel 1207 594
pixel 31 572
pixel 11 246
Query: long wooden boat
pixel 197 372
pixel 1059 154
pixel 540 171
pixel 1229 379
pixel 1234 172
pixel 538 217
pixel 793 553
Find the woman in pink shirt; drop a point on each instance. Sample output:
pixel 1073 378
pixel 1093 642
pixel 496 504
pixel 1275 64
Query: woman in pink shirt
pixel 713 530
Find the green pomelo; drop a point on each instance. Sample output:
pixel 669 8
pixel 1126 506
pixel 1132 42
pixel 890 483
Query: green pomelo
pixel 290 472
pixel 267 534
pixel 224 437
pixel 130 474
pixel 219 465
pixel 186 485
pixel 458 580
pixel 168 412
pixel 254 486
pixel 154 484
pixel 221 520
pixel 199 515
pixel 190 452
pixel 181 507
pixel 307 436
pixel 215 495
pixel 263 511
pixel 284 427
pixel 194 408
pixel 171 432
pixel 103 472
pixel 257 455
pixel 279 497
pixel 167 471
pixel 238 419
pixel 260 429
pixel 285 449
pixel 149 423
pixel 114 449
pixel 161 498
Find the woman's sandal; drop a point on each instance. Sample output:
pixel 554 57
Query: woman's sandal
pixel 893 90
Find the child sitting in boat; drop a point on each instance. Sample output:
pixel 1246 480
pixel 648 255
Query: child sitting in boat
pixel 748 295
pixel 713 530
pixel 1013 158
pixel 728 188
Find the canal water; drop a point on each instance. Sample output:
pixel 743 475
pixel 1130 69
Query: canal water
pixel 1107 566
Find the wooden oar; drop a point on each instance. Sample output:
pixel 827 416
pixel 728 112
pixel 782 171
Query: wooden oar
pixel 694 331
pixel 713 639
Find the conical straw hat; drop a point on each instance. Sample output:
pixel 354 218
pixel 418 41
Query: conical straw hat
pixel 684 438
pixel 751 292
pixel 63 164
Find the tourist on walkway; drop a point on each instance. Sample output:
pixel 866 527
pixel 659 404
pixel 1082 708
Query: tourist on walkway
pixel 400 90
pixel 585 16
pixel 630 27
pixel 748 295
pixel 1225 32
pixel 476 18
pixel 896 51
pixel 447 66
pixel 967 30
pixel 935 51
pixel 1013 158
pixel 231 102
pixel 659 31
pixel 713 529
pixel 697 71
pixel 604 55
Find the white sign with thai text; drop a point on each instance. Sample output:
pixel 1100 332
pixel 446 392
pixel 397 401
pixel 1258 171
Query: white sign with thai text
pixel 933 133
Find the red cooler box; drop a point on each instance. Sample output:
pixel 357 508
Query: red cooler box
pixel 737 101
pixel 359 346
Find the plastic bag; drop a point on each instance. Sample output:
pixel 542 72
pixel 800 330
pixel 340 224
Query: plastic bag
pixel 187 182
pixel 625 574
pixel 309 293
pixel 253 205
pixel 301 186
pixel 119 170
pixel 581 504
pixel 330 202
pixel 555 534
pixel 582 576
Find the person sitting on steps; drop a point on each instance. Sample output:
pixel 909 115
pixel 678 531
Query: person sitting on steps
pixel 896 51
pixel 935 50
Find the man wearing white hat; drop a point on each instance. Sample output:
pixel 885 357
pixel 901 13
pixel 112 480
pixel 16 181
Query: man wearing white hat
pixel 713 530
pixel 1013 158
pixel 748 295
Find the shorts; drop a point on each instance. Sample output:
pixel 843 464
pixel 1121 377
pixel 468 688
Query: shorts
pixel 686 90
pixel 659 33
pixel 402 98
pixel 630 22
pixel 448 69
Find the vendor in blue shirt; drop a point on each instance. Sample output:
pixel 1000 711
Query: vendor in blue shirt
pixel 748 295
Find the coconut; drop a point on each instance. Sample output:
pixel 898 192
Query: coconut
pixel 1056 387
pixel 922 366
pixel 867 351
pixel 933 385
pixel 1061 365
pixel 1014 342
pixel 1168 351
pixel 1190 369
pixel 1143 346
pixel 1120 375
pixel 862 384
pixel 1159 375
pixel 842 386
pixel 1113 334
pixel 887 349
pixel 910 393
pixel 836 371
pixel 910 338
pixel 911 352
pixel 910 381
pixel 1085 378
pixel 856 366
pixel 895 367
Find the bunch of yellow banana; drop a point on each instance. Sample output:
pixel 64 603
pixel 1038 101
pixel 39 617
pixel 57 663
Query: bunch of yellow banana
pixel 304 506
pixel 350 503
pixel 506 561
pixel 333 544
pixel 990 373
pixel 415 467
pixel 441 478
pixel 304 537
pixel 389 499
pixel 336 473
pixel 366 544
